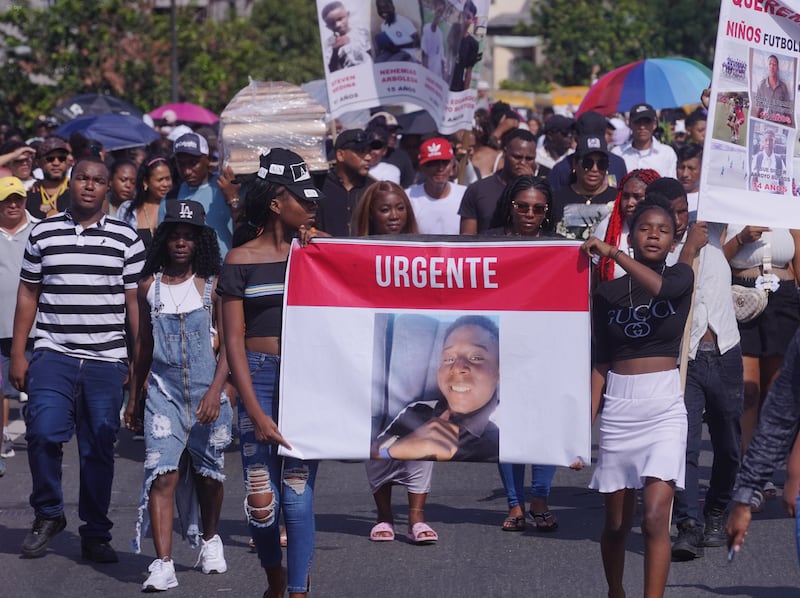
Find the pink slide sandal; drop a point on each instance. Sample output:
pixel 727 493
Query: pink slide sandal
pixel 382 532
pixel 421 533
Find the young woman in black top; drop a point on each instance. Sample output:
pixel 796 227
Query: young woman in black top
pixel 638 321
pixel 280 205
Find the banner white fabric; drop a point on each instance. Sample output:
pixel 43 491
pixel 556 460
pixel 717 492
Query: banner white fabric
pixel 490 342
pixel 751 158
pixel 395 51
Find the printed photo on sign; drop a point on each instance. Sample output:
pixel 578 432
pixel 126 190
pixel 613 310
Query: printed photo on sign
pixel 768 167
pixel 346 39
pixel 730 120
pixel 727 167
pixel 396 30
pixel 773 79
pixel 436 387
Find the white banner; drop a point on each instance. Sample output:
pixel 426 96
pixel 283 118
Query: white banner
pixel 425 52
pixel 751 158
pixel 489 342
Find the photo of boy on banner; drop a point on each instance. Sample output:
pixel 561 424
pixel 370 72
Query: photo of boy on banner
pixel 398 39
pixel 768 172
pixel 436 388
pixel 349 44
pixel 773 79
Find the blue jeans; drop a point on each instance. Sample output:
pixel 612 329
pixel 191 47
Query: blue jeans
pixel 289 481
pixel 513 477
pixel 714 384
pixel 66 395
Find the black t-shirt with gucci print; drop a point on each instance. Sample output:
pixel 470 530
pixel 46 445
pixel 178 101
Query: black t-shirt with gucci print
pixel 628 322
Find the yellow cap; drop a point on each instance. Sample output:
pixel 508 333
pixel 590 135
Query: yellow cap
pixel 11 185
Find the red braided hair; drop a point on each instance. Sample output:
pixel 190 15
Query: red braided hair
pixel 616 220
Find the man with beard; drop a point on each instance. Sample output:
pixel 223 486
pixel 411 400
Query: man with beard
pixel 346 181
pixel 50 196
pixel 480 198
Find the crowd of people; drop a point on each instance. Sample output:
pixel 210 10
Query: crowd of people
pixel 161 255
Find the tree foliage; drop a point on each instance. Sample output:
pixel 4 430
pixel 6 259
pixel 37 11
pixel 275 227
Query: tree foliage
pixel 122 48
pixel 578 34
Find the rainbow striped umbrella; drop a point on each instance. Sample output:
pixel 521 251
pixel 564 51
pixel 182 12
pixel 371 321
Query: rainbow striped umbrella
pixel 660 82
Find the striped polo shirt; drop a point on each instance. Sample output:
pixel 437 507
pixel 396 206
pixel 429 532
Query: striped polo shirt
pixel 83 273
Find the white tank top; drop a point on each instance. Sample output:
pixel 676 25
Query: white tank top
pixel 176 298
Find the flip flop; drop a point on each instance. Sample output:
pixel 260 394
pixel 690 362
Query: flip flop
pixel 416 535
pixel 513 524
pixel 382 532
pixel 545 522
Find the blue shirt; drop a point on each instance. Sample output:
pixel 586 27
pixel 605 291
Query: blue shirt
pixel 218 214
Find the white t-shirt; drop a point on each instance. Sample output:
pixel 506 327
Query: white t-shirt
pixel 437 216
pixel 433 48
pixel 383 171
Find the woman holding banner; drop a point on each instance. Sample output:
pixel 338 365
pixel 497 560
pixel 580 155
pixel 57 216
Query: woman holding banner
pixel 638 322
pixel 522 211
pixel 280 205
pixel 385 209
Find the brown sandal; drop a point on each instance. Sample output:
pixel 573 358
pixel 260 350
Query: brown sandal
pixel 513 524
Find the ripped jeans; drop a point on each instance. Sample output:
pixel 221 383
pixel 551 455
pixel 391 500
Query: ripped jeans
pixel 287 481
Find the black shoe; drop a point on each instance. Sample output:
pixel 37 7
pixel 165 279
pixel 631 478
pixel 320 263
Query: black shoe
pixel 35 543
pixel 689 543
pixel 98 551
pixel 715 532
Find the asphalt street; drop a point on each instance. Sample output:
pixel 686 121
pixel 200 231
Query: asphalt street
pixel 472 558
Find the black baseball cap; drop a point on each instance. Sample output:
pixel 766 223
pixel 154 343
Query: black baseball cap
pixel 640 111
pixel 284 167
pixel 356 139
pixel 186 211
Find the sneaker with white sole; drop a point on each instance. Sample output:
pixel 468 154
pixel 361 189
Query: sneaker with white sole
pixel 162 576
pixel 7 448
pixel 212 557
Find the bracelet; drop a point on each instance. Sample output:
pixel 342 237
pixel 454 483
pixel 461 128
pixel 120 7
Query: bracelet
pixel 616 255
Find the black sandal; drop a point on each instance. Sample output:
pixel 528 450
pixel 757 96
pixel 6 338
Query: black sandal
pixel 545 522
pixel 513 524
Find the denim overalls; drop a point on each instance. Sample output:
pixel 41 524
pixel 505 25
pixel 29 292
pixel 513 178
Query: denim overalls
pixel 181 372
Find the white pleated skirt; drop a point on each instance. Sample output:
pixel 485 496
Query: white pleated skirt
pixel 643 428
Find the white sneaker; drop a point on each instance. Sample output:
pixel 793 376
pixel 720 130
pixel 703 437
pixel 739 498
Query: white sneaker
pixel 162 576
pixel 212 558
pixel 7 449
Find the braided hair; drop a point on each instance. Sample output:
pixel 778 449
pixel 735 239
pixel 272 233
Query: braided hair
pixel 258 194
pixel 616 219
pixel 504 212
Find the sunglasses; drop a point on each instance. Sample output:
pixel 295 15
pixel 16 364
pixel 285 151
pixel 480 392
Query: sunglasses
pixel 588 163
pixel 523 208
pixel 53 157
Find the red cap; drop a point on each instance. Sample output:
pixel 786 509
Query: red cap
pixel 437 148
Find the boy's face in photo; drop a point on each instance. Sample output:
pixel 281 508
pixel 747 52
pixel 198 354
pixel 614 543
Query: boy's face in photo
pixel 338 21
pixel 469 370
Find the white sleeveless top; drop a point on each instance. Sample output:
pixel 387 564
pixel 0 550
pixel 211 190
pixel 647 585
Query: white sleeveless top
pixel 176 298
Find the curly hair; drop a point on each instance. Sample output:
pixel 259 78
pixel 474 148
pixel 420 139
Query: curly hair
pixel 504 212
pixel 616 219
pixel 654 200
pixel 143 174
pixel 362 221
pixel 206 261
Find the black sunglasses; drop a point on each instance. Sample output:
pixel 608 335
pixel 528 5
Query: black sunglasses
pixel 588 163
pixel 53 157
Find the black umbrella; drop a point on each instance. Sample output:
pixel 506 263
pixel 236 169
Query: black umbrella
pixel 93 104
pixel 417 123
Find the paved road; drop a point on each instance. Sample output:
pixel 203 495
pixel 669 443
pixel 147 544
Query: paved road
pixel 472 558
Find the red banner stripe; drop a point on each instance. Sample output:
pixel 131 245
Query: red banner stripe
pixel 464 276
